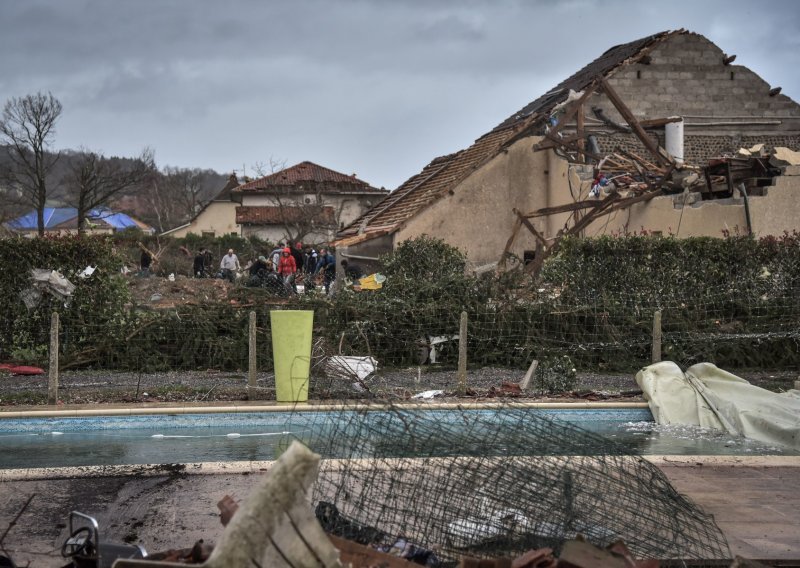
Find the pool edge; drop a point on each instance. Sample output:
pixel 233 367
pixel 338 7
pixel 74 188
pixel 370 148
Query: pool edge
pixel 304 407
pixel 249 467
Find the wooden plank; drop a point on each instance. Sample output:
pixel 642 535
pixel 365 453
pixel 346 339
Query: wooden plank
pixel 659 122
pixel 566 208
pixel 531 228
pixel 510 243
pixel 592 215
pixel 553 141
pixel 636 159
pixel 572 111
pixel 534 267
pixel 632 122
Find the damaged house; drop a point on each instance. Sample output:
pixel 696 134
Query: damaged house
pixel 663 134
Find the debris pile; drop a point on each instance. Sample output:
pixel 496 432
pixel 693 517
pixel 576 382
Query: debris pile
pixel 621 178
pixel 162 293
pixel 276 527
pixel 47 281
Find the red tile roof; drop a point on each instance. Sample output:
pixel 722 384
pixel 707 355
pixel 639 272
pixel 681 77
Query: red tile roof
pixel 311 174
pixel 445 173
pixel 274 215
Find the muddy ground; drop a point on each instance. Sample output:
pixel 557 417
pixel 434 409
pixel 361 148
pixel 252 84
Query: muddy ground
pixel 165 507
pixel 92 387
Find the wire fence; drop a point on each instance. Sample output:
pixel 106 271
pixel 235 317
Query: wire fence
pixel 601 335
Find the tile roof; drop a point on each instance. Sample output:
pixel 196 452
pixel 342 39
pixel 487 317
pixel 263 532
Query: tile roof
pixel 311 173
pixel 274 215
pixel 445 173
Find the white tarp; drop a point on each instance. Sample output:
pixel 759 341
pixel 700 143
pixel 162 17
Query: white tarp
pixel 709 397
pixel 343 367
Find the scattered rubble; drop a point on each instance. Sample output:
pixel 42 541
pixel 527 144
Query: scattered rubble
pixel 161 293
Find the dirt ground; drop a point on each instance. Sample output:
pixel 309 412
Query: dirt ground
pixel 158 292
pixel 757 507
pixel 92 387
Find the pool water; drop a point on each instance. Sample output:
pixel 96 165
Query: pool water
pixel 159 439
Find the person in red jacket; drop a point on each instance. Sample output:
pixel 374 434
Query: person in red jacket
pixel 287 268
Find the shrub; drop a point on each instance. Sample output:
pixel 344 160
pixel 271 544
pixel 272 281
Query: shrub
pixel 97 306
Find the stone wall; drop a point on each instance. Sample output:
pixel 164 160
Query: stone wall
pixel 698 149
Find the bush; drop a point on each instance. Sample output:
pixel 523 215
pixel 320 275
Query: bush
pixel 97 306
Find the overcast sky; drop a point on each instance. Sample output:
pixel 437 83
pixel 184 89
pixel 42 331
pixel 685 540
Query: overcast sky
pixel 376 88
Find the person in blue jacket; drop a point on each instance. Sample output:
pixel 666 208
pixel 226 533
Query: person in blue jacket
pixel 327 265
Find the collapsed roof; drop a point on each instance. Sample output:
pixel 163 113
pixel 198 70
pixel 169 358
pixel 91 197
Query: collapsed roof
pixel 446 172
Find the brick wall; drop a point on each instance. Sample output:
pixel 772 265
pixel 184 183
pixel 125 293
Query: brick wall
pixel 686 77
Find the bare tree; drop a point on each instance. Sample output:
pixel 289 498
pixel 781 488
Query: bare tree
pixel 27 126
pixel 94 180
pixel 187 185
pixel 175 195
pixel 163 206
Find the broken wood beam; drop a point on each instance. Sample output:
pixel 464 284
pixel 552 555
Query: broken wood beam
pixel 638 160
pixel 592 215
pixel 510 243
pixel 572 111
pixel 566 208
pixel 534 267
pixel 626 113
pixel 659 122
pixel 531 228
pixel 555 141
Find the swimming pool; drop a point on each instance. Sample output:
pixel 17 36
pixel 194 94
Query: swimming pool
pixel 254 436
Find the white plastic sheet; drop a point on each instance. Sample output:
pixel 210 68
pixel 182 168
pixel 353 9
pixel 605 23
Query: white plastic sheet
pixel 709 397
pixel 348 367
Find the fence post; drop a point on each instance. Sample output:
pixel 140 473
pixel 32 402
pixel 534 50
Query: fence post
pixel 526 380
pixel 52 371
pixel 252 362
pixel 462 355
pixel 656 350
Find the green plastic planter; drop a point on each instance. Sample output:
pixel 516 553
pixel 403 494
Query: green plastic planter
pixel 291 352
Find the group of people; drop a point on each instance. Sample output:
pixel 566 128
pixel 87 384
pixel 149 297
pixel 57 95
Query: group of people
pixel 285 264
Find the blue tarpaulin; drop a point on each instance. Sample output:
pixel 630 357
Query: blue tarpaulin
pixel 58 216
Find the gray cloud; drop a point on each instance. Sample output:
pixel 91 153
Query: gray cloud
pixel 377 88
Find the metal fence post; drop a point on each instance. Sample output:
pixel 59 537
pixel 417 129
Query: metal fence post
pixel 252 362
pixel 52 371
pixel 462 355
pixel 656 350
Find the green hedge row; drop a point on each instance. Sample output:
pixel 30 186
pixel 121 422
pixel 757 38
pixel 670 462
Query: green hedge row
pixel 735 302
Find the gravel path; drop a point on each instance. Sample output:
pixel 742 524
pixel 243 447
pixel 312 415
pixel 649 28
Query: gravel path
pixel 86 387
